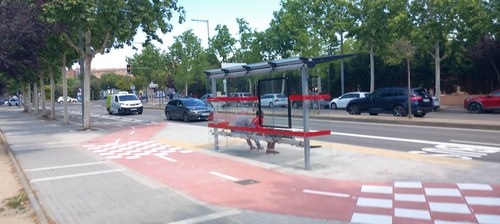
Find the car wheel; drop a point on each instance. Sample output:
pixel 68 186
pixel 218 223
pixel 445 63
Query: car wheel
pixel 399 111
pixel 353 109
pixel 374 114
pixel 271 104
pixel 333 106
pixel 140 112
pixel 186 117
pixel 167 115
pixel 120 112
pixel 475 108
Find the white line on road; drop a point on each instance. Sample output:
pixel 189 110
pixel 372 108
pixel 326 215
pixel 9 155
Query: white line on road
pixel 118 140
pixel 326 193
pixel 62 167
pixel 224 176
pixel 405 140
pixel 207 218
pixel 479 143
pixel 75 175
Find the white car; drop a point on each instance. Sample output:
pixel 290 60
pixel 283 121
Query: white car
pixel 70 100
pixel 274 99
pixel 341 101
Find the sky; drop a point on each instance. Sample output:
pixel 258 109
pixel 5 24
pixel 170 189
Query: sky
pixel 258 14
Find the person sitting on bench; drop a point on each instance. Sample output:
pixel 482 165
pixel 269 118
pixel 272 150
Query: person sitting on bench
pixel 242 121
pixel 256 121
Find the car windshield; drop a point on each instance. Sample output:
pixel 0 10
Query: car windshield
pixel 281 96
pixel 193 103
pixel 128 97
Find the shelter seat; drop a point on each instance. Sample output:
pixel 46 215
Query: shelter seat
pixel 284 136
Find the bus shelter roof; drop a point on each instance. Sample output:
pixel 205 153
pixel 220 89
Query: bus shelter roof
pixel 271 66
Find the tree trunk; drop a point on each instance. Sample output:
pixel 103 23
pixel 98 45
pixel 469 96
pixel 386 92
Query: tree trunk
pixel 372 70
pixel 35 98
pixel 64 88
pixel 86 81
pixel 42 93
pixel 52 92
pixel 496 71
pixel 437 62
pixel 86 91
pixel 28 101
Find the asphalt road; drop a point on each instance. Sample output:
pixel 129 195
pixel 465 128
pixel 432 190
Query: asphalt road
pixel 460 143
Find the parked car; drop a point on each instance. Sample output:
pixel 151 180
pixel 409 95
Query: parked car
pixel 69 99
pixel 273 100
pixel 2 101
pixel 341 101
pixel 188 109
pixel 241 102
pixel 14 101
pixel 394 101
pixel 315 104
pixel 486 103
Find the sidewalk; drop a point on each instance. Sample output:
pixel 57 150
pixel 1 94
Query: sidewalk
pixel 150 173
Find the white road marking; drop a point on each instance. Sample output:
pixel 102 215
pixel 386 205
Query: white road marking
pixel 374 202
pixel 477 187
pixel 75 175
pixel 476 143
pixel 402 184
pixel 168 159
pixel 412 213
pixel 132 132
pixel 447 149
pixel 456 208
pixel 371 218
pixel 224 176
pixel 118 140
pixel 491 201
pixel 483 218
pixel 326 193
pixel 207 218
pixel 445 192
pixel 376 189
pixel 409 197
pixel 62 167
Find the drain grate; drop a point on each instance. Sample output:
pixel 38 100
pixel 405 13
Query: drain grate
pixel 247 182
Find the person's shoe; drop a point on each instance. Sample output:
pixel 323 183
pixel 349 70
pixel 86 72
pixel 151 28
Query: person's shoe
pixel 272 151
pixel 252 148
pixel 259 148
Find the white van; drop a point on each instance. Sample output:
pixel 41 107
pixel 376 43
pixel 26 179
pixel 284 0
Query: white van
pixel 123 103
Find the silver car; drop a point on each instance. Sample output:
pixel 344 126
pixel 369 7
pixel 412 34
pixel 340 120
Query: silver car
pixel 274 99
pixel 341 101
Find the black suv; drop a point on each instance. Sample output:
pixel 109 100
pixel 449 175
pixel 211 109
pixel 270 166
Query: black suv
pixel 392 100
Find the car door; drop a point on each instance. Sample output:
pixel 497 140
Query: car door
pixel 492 101
pixel 344 99
pixel 374 103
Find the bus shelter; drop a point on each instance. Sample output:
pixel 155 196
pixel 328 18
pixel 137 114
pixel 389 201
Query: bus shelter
pixel 265 68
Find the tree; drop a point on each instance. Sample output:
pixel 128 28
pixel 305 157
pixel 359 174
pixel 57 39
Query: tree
pixel 372 20
pixel 100 26
pixel 149 66
pixel 223 44
pixel 434 23
pixel 402 50
pixel 187 60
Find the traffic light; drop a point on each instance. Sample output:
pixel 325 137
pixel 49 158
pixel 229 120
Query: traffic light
pixel 129 68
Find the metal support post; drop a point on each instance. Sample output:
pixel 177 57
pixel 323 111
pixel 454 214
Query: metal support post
pixel 305 108
pixel 216 132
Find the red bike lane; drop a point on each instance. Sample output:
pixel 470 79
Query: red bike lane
pixel 229 183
